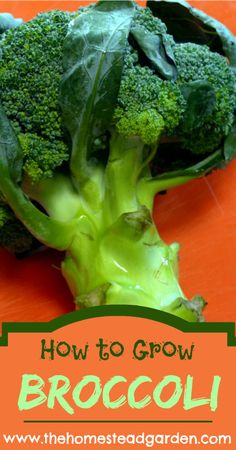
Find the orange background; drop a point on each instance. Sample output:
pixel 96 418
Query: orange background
pixel 201 216
pixel 23 355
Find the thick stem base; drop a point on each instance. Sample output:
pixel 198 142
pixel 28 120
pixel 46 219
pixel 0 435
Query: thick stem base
pixel 127 264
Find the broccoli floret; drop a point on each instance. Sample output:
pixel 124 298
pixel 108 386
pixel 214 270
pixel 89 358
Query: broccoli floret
pixel 145 18
pixel 13 235
pixel 196 62
pixel 147 105
pixel 41 155
pixel 30 73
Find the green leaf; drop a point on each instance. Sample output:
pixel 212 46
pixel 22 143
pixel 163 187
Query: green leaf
pixel 93 63
pixel 8 21
pixel 10 152
pixel 188 24
pixel 201 100
pixel 157 50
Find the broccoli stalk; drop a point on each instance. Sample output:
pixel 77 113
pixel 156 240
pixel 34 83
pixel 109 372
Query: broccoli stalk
pixel 124 113
pixel 130 263
pixel 114 253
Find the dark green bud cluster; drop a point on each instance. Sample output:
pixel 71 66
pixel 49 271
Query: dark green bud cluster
pixel 13 234
pixel 147 105
pixel 41 155
pixel 196 62
pixel 145 18
pixel 30 73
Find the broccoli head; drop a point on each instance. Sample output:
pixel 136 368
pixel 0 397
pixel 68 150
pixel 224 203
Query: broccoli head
pixel 30 73
pixel 197 62
pixel 147 106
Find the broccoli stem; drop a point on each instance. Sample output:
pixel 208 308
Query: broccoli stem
pixel 114 253
pixel 121 176
pixel 49 231
pixel 120 258
pixel 126 264
pixel 148 186
pixel 57 195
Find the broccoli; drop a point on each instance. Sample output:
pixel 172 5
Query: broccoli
pixel 29 92
pixel 195 62
pixel 100 110
pixel 147 106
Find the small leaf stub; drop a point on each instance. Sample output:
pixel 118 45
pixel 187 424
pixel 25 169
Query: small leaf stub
pixel 191 308
pixel 198 304
pixel 139 220
pixel 97 297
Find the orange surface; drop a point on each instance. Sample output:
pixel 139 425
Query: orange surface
pixel 201 216
pixel 210 349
